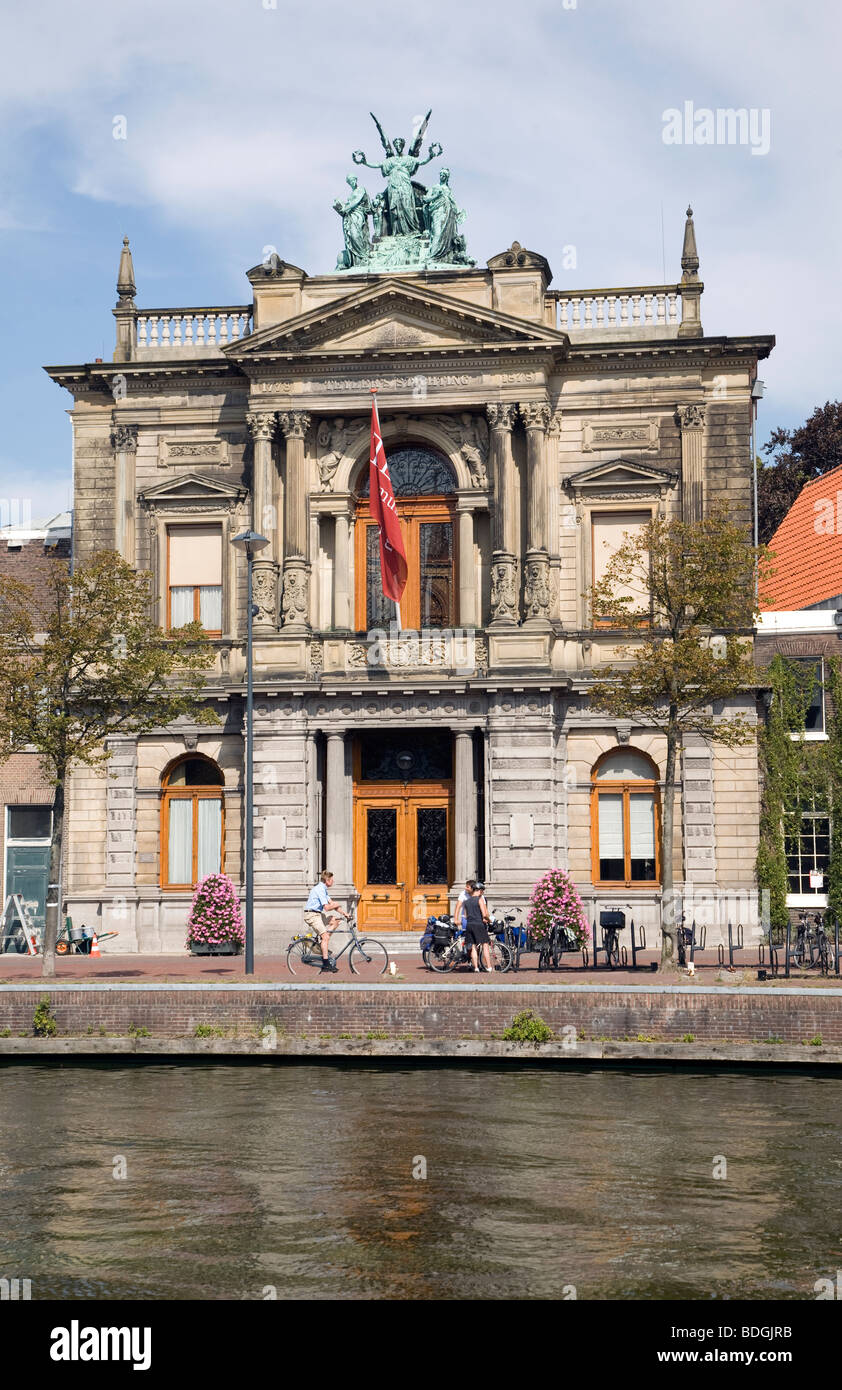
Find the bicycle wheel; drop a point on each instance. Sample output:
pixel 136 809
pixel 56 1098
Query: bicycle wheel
pixel 613 952
pixel 825 957
pixel 296 953
pixel 441 959
pixel 501 956
pixel 368 958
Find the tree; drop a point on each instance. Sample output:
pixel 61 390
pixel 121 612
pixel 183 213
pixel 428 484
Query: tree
pixel 798 456
pixel 683 592
pixel 83 660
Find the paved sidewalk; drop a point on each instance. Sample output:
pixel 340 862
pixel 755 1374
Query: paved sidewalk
pixel 409 969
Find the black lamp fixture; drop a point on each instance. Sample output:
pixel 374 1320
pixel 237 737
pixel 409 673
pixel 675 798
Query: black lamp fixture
pixel 405 761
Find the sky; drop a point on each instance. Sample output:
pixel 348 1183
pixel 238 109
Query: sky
pixel 240 117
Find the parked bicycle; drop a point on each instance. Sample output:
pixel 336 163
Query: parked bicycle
pixel 367 957
pixel 812 945
pixel 448 949
pixel 553 945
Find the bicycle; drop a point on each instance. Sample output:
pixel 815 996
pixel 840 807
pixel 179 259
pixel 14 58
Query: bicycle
pixel 816 943
pixel 443 958
pixel 367 957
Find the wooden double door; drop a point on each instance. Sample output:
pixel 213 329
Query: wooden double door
pixel 403 854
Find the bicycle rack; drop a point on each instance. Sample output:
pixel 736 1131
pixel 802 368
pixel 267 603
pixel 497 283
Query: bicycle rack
pixel 734 944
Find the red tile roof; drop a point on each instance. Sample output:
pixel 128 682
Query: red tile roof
pixel 807 549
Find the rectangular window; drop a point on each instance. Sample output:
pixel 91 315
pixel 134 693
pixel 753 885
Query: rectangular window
pixel 194 580
pixel 380 610
pixel 807 847
pixel 30 822
pixel 436 573
pixel 608 531
pixel 612 851
pixel 814 717
pixel 642 836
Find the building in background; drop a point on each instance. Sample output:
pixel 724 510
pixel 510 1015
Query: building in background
pixel 527 429
pixel 26 550
pixel 801 620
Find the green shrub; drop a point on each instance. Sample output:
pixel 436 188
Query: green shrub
pixel 814 1042
pixel 689 1037
pixel 207 1030
pixel 141 1032
pixel 528 1027
pixel 44 1024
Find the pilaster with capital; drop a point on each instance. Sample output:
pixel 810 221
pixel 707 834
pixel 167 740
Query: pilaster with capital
pixel 536 569
pixel 505 563
pixel 124 444
pixel 691 422
pixel 295 603
pixel 264 519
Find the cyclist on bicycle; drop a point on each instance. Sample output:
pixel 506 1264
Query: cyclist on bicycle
pixel 318 915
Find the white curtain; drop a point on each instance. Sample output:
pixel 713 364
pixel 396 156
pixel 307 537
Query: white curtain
pixel 210 836
pixel 642 827
pixel 210 607
pixel 180 848
pixel 181 606
pixel 611 826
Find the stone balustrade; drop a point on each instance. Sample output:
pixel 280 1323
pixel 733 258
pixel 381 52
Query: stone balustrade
pixel 640 311
pixel 190 332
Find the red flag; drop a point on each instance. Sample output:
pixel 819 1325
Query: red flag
pixel 392 554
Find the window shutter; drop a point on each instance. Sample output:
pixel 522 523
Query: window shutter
pixel 195 555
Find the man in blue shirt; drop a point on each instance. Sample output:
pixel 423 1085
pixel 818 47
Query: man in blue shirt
pixel 317 915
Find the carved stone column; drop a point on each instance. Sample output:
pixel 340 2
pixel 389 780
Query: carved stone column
pixel 467 564
pixel 536 594
pixel 465 808
pixel 505 562
pixel 124 443
pixel 340 810
pixel 691 421
pixel 342 600
pixel 264 520
pixel 295 605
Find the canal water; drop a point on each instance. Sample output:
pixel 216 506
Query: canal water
pixel 299 1180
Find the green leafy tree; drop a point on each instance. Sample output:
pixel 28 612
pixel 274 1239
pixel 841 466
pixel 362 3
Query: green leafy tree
pixel 83 660
pixel 797 456
pixel 682 595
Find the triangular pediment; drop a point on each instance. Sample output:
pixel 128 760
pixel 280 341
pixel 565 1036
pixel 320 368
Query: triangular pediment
pixel 620 473
pixel 191 487
pixel 393 316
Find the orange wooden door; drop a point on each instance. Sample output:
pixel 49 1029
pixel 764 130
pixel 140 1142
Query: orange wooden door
pixel 402 857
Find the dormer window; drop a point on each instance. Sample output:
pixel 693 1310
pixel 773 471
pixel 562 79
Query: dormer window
pixel 194 577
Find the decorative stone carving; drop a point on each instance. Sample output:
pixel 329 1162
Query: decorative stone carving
pixel 536 590
pixel 189 449
pixel 265 593
pixel 504 576
pixel 534 414
pixel 261 424
pixel 501 415
pixel 625 434
pixel 124 438
pixel 316 660
pixel 481 650
pixel 295 604
pixel 294 423
pixel 332 439
pixel 691 417
pixel 471 435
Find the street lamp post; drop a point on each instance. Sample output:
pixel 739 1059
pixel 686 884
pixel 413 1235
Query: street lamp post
pixel 251 543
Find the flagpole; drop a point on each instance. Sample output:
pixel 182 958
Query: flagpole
pixel 376 413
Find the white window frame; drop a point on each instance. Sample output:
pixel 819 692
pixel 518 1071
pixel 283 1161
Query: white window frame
pixel 16 842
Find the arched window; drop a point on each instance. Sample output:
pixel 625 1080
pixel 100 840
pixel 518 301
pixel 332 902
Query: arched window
pixel 625 820
pixel 425 487
pixel 191 822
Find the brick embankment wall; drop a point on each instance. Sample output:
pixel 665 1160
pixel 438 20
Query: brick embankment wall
pixel 444 1012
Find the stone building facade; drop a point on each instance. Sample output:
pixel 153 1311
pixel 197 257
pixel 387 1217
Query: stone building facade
pixel 527 429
